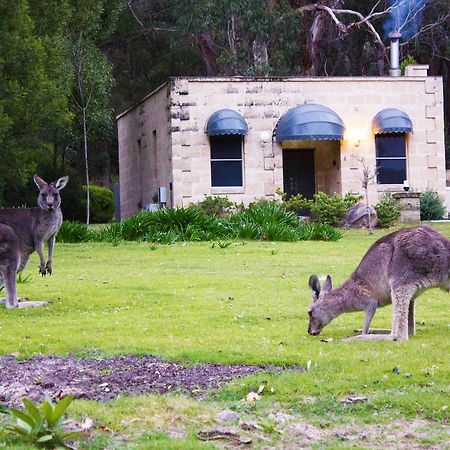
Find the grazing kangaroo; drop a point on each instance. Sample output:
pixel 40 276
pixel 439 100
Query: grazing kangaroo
pixel 24 230
pixel 396 269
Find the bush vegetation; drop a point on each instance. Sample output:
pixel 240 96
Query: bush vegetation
pixel 215 205
pixel 387 210
pixel 265 220
pixel 431 206
pixel 101 204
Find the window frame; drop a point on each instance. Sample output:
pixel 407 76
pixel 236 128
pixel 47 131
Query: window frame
pixel 224 160
pixel 391 158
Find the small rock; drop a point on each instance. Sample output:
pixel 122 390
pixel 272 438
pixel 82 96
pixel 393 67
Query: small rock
pixel 227 416
pixel 252 397
pixel 408 375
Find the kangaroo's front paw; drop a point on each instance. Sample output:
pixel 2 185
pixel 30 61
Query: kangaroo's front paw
pixel 44 270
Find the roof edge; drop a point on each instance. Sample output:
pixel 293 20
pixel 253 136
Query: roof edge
pixel 141 100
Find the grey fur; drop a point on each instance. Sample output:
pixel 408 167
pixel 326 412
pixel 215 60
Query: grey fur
pixel 396 269
pixel 24 230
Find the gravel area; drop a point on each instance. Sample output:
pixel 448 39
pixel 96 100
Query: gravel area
pixel 106 378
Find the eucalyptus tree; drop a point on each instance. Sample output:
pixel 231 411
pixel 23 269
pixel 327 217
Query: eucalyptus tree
pixel 34 90
pixel 90 23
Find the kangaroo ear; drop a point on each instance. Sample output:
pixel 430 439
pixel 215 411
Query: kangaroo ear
pixel 40 183
pixel 314 285
pixel 61 182
pixel 328 284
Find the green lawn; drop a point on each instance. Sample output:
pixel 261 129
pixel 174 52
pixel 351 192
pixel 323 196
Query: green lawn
pixel 245 303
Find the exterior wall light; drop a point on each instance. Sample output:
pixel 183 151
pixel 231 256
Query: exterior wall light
pixel 354 137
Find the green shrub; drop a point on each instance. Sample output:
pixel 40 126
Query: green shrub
pixel 101 202
pixel 387 210
pixel 111 233
pixel 73 232
pixel 215 205
pixel 431 206
pixel 407 61
pixel 264 220
pixel 294 203
pixel 350 199
pixel 316 231
pixel 327 209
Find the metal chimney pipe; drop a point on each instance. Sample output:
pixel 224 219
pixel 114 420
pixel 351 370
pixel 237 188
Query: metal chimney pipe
pixel 395 71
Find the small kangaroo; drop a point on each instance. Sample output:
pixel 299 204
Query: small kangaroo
pixel 24 230
pixel 396 269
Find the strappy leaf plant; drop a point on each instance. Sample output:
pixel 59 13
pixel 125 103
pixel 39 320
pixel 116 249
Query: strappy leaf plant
pixel 44 425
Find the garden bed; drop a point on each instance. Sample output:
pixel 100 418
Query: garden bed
pixel 104 379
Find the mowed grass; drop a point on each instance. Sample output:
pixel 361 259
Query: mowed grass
pixel 246 303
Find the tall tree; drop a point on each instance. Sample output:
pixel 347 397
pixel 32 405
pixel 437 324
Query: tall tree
pixel 33 99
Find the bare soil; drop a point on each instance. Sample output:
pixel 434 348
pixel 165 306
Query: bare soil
pixel 105 378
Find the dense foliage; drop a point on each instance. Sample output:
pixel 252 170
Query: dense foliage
pixel 262 220
pixel 102 204
pixel 387 210
pixel 431 206
pixel 331 209
pixel 48 52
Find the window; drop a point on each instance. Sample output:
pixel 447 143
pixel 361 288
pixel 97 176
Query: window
pixel 391 158
pixel 226 160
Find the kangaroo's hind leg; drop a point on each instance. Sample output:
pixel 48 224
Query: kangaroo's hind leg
pixel 9 263
pixel 403 311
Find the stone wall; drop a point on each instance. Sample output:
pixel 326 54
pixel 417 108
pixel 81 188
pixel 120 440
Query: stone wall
pixel 179 115
pixel 144 152
pixel 262 103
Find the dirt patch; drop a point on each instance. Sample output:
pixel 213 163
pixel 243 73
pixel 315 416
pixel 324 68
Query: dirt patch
pixel 104 379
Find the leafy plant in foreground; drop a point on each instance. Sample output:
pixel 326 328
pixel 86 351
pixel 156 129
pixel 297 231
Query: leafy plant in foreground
pixel 43 426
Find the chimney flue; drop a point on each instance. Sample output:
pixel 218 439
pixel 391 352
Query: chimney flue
pixel 395 36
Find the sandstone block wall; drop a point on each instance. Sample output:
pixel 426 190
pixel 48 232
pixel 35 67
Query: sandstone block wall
pixel 179 113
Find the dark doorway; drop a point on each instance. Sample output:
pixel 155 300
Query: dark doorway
pixel 298 173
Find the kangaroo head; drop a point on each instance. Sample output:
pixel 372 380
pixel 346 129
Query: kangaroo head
pixel 319 315
pixel 49 198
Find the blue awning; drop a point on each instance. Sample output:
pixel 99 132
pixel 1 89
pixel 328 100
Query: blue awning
pixel 226 121
pixel 391 120
pixel 310 122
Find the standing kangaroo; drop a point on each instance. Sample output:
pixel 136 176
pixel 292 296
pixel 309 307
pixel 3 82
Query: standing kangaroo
pixel 396 269
pixel 24 230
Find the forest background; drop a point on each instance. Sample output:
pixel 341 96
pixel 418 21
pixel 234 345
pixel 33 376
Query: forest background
pixel 67 67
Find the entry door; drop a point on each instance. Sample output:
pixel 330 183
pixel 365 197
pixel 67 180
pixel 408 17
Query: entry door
pixel 298 173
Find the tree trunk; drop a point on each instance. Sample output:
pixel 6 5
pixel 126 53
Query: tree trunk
pixel 86 166
pixel 205 43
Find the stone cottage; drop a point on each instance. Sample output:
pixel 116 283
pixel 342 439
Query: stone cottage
pixel 244 138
